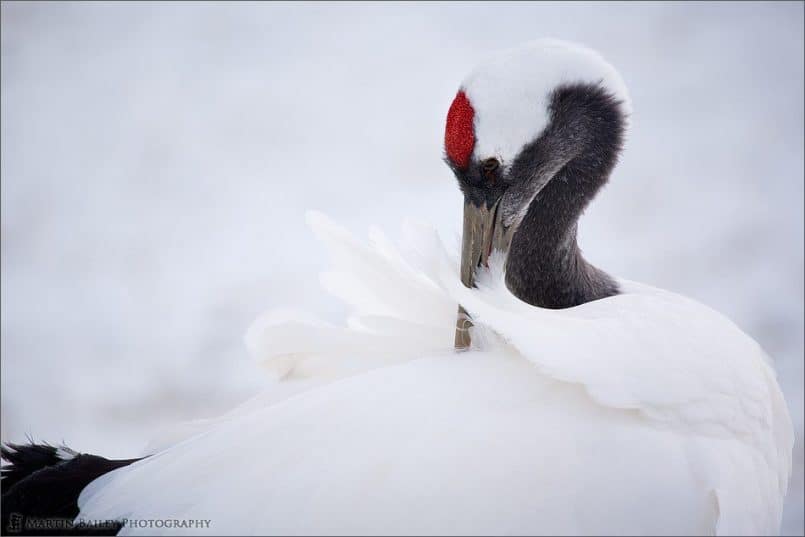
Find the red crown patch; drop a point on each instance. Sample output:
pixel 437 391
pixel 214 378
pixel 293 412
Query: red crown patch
pixel 459 135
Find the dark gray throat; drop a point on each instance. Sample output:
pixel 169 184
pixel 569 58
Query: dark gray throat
pixel 554 274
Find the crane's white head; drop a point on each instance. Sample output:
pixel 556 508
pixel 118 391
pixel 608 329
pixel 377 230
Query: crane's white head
pixel 521 118
pixel 507 98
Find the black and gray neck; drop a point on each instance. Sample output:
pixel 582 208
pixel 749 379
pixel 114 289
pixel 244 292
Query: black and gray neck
pixel 544 265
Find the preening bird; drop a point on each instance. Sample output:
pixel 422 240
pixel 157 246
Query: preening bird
pixel 562 400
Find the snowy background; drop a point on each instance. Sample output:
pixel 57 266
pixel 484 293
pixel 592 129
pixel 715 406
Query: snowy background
pixel 157 161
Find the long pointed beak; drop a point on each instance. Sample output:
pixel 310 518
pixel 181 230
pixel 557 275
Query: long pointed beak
pixel 478 238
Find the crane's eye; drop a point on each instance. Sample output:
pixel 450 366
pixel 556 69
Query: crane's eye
pixel 489 167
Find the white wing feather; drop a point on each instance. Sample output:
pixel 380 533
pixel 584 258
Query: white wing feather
pixel 643 412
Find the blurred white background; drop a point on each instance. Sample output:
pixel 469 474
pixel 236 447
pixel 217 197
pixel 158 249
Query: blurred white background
pixel 157 160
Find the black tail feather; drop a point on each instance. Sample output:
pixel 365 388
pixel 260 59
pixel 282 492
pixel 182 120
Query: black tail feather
pixel 40 488
pixel 25 459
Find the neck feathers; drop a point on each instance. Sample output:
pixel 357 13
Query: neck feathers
pixel 545 266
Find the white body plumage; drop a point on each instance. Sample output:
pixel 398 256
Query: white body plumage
pixel 642 413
